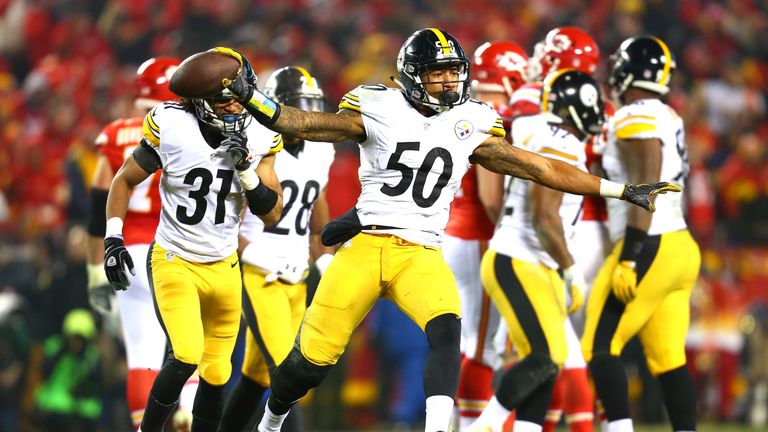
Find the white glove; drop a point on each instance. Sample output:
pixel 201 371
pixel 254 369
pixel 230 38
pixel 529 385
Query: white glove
pixel 100 291
pixel 575 286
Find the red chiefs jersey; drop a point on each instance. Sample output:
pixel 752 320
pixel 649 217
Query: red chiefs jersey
pixel 468 219
pixel 116 142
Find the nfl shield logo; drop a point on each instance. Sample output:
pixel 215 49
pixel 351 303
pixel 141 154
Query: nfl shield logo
pixel 463 129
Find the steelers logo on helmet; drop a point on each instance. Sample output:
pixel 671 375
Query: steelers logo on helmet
pixel 428 50
pixel 294 86
pixel 573 97
pixel 643 62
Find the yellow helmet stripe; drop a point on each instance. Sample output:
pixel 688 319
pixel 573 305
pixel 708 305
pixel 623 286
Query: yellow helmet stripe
pixel 547 87
pixel 664 80
pixel 310 80
pixel 443 41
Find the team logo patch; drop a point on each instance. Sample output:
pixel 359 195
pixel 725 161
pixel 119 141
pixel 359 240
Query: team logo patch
pixel 463 129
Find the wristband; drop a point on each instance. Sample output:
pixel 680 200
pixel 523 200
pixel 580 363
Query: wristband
pixel 609 189
pixel 633 244
pixel 114 227
pixel 261 199
pixel 322 262
pixel 249 179
pixel 263 109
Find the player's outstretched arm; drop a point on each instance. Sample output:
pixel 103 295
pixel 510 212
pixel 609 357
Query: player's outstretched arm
pixel 310 126
pixel 320 126
pixel 497 155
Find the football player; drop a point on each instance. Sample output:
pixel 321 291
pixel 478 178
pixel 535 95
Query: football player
pixel 275 259
pixel 145 343
pixel 214 162
pixel 645 285
pixel 520 269
pixel 569 48
pixel 498 69
pixel 416 142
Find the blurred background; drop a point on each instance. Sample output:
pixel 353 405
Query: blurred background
pixel 67 68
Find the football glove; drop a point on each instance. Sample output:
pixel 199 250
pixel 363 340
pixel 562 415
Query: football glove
pixel 243 85
pixel 624 281
pixel 236 145
pixel 243 89
pixel 641 194
pixel 100 293
pixel 116 259
pixel 575 286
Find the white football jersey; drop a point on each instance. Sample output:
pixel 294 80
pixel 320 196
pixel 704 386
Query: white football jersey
pixel 646 119
pixel 199 188
pixel 411 165
pixel 515 234
pixel 286 246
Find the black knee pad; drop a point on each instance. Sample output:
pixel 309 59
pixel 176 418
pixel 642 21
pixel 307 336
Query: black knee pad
pixel 179 369
pixel 296 376
pixel 171 379
pixel 611 385
pixel 441 372
pixel 525 377
pixel 444 332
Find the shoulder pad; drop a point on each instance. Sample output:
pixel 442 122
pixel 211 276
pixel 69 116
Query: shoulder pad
pixel 635 121
pixel 488 120
pixel 150 128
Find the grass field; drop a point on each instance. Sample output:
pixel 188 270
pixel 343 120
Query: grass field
pixel 712 427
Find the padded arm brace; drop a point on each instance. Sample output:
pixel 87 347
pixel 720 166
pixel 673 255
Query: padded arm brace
pixel 147 158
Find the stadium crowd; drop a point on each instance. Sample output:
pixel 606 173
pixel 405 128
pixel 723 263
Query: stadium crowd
pixel 66 70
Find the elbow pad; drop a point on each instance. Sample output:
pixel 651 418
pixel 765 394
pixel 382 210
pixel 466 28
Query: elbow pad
pixel 146 157
pixel 97 218
pixel 261 199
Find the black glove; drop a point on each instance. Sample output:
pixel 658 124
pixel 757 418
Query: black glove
pixel 116 258
pixel 236 145
pixel 244 84
pixel 641 194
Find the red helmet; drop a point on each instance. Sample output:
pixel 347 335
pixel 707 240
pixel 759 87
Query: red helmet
pixel 563 48
pixel 499 66
pixel 152 80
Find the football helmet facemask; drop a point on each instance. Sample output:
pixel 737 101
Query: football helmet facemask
pixel 226 123
pixel 643 62
pixel 428 50
pixel 295 87
pixel 152 80
pixel 563 48
pixel 571 96
pixel 499 66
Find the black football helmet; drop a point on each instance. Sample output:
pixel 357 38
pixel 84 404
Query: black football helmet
pixel 295 87
pixel 228 123
pixel 571 96
pixel 430 49
pixel 643 62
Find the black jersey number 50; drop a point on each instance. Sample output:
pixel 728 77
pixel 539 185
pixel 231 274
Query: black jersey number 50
pixel 421 173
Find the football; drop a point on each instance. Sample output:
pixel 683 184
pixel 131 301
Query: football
pixel 199 75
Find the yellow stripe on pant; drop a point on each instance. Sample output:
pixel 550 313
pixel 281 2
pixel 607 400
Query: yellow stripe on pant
pixel 370 266
pixel 659 314
pixel 530 298
pixel 273 311
pixel 198 306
